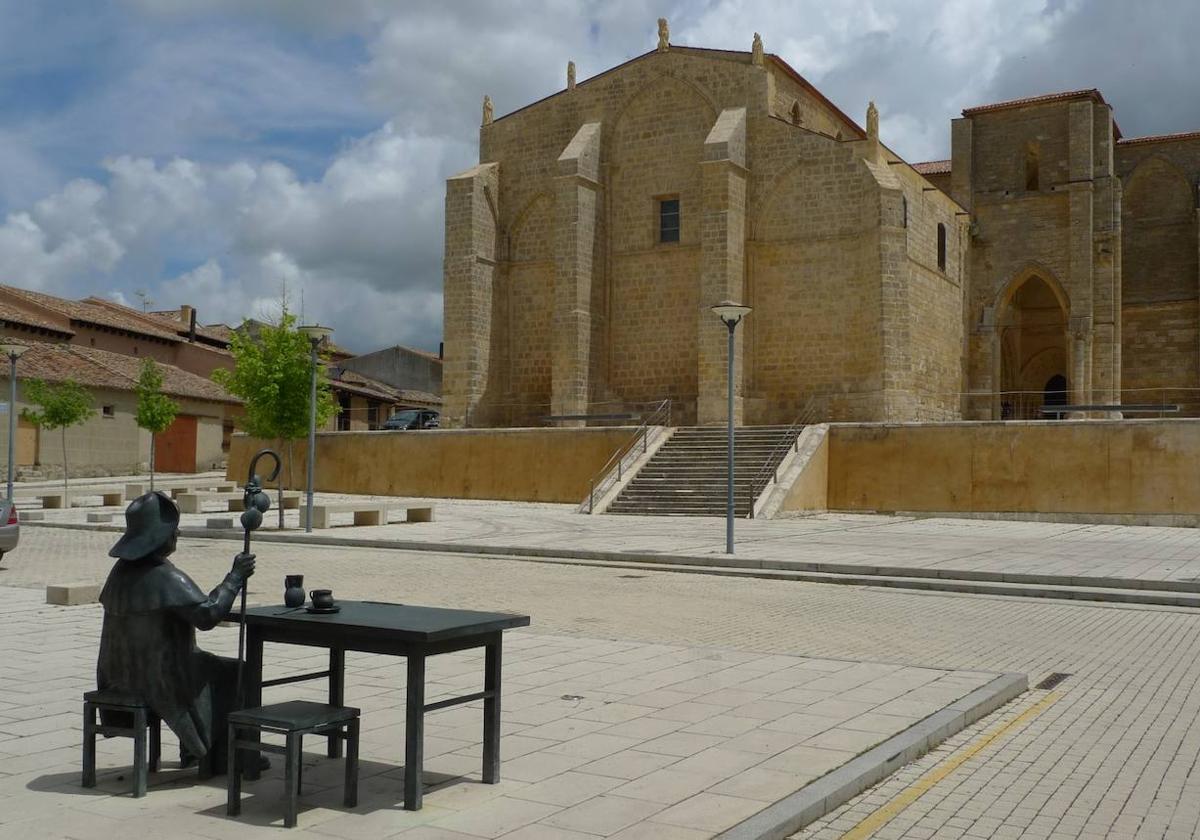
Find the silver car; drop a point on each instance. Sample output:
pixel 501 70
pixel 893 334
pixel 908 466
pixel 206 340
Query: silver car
pixel 10 530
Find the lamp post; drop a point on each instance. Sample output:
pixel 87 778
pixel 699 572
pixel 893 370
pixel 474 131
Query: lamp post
pixel 13 351
pixel 315 334
pixel 731 314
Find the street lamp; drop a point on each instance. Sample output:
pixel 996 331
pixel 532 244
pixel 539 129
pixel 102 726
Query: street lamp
pixel 731 314
pixel 13 351
pixel 315 334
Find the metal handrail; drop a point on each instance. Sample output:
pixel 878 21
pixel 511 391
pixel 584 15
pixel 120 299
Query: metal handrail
pixel 769 471
pixel 661 416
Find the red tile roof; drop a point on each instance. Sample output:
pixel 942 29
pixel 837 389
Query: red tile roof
pixel 91 312
pixel 94 368
pixel 1089 93
pixel 15 315
pixel 933 167
pixel 1161 138
pixel 173 321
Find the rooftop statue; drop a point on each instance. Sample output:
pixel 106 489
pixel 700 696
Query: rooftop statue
pixel 664 34
pixel 487 110
pixel 148 644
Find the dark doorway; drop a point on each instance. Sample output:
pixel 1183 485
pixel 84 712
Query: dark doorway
pixel 1055 394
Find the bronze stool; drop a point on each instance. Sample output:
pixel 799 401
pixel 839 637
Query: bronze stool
pixel 293 719
pixel 143 719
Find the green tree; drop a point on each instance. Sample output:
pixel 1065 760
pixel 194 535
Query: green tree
pixel 59 406
pixel 272 375
pixel 155 410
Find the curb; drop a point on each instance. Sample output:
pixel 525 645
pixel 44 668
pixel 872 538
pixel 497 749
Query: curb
pixel 1171 593
pixel 818 798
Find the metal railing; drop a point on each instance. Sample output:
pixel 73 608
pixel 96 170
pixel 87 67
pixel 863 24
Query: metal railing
pixel 768 473
pixel 613 470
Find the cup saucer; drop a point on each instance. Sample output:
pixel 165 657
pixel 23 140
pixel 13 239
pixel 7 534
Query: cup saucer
pixel 322 610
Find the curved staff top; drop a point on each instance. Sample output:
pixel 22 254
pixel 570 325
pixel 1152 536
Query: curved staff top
pixel 256 503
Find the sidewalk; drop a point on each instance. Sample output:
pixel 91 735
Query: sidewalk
pixel 600 739
pixel 1128 556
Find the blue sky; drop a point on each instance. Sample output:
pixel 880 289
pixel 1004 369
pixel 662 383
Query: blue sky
pixel 215 152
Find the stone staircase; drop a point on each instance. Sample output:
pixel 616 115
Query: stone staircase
pixel 687 476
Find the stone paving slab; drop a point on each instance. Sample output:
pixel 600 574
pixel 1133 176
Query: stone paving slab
pixel 1131 556
pixel 602 738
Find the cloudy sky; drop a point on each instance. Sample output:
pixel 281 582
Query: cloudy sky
pixel 215 152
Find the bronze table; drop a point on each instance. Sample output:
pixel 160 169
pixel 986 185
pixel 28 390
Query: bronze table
pixel 415 633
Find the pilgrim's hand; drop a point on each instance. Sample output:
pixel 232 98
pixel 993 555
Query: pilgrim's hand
pixel 243 565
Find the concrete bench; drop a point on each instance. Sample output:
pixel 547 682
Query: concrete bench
pixel 365 513
pixel 194 502
pixel 177 487
pixel 72 594
pixel 53 500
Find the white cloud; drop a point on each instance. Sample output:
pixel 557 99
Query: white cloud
pixel 361 244
pixel 228 145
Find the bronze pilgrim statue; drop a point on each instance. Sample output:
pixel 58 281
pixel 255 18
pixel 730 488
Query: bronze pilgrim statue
pixel 148 644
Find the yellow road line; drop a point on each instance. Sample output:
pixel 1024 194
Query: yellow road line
pixel 887 812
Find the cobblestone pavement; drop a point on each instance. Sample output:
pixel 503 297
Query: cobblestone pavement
pixel 1147 553
pixel 1113 756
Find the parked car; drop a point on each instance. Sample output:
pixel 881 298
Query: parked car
pixel 412 418
pixel 10 528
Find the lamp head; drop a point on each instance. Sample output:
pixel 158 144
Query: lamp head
pixel 12 350
pixel 315 332
pixel 730 312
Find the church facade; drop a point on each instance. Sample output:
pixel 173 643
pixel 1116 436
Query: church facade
pixel 1049 261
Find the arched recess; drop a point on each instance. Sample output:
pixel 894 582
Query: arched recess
pixel 531 236
pixel 765 223
pixel 1158 234
pixel 1032 317
pixel 689 89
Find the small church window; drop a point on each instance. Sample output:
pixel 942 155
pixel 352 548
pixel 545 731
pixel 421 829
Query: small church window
pixel 668 220
pixel 941 245
pixel 795 113
pixel 1033 155
pixel 904 211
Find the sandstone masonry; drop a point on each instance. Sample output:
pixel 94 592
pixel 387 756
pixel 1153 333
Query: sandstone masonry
pixel 1047 261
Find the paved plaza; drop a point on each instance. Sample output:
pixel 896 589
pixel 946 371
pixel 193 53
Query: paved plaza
pixel 1139 555
pixel 1109 752
pixel 600 738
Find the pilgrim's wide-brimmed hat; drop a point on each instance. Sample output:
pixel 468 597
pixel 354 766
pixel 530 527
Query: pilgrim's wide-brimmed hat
pixel 150 522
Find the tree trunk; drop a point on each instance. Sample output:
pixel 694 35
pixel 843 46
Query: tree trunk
pixel 152 462
pixel 280 483
pixel 66 486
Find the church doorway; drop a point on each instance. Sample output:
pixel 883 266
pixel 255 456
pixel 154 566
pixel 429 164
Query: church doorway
pixel 1033 346
pixel 1054 394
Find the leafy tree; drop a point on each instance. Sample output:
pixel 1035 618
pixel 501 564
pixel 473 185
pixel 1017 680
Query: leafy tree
pixel 59 406
pixel 272 375
pixel 155 410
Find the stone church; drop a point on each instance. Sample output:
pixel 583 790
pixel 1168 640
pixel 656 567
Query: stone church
pixel 1050 261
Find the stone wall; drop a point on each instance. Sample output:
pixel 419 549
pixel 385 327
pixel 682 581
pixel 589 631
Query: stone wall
pixel 457 464
pixel 1138 467
pixel 591 313
pixel 1061 228
pixel 1160 251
